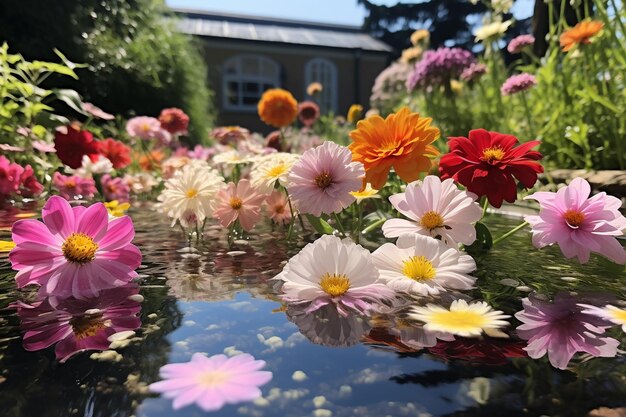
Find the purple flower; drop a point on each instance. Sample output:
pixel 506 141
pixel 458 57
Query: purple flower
pixel 473 72
pixel 439 67
pixel 520 42
pixel 212 382
pixel 115 189
pixel 517 83
pixel 561 328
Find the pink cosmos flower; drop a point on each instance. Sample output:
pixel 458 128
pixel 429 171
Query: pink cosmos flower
pixel 579 224
pixel 74 187
pixel 212 382
pixel 561 328
pixel 143 127
pixel 278 207
pixel 321 181
pixel 238 202
pixel 75 251
pixel 78 325
pixel 435 208
pixel 10 174
pixel 115 189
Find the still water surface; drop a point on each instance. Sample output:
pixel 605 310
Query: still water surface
pixel 214 300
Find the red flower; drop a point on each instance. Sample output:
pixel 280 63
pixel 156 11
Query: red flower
pixel 30 186
pixel 488 351
pixel 72 144
pixel 116 152
pixel 174 120
pixel 487 162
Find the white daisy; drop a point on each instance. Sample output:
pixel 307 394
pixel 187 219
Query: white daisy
pixel 610 313
pixel 232 157
pixel 462 319
pixel 421 265
pixel 272 168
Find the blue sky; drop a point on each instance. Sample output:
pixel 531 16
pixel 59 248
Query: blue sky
pixel 327 11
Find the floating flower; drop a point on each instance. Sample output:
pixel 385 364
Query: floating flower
pixel 423 266
pixel 518 83
pixel 580 34
pixel 462 319
pixel 116 152
pixel 438 67
pixel 226 135
pixel 331 271
pixel 272 169
pixel 402 141
pixel 492 30
pixel 519 43
pixel 238 202
pixel 74 187
pixel 72 144
pixel 419 36
pixel 77 325
pixel 308 113
pixel 278 207
pixel 579 224
pixel 97 112
pixel 191 189
pixel 143 127
pixel 174 121
pixel 277 107
pixel 560 329
pixel 364 194
pixel 115 188
pixel 436 209
pixel 487 162
pixel 212 382
pixel 314 88
pixel 75 251
pixel 116 209
pixel 321 181
pixel 609 313
pixel 354 113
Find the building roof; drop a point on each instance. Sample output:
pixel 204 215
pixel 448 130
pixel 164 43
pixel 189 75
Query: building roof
pixel 254 28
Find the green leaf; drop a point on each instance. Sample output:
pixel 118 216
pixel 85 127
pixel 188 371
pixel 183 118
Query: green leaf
pixel 483 235
pixel 320 225
pixel 72 99
pixel 71 65
pixel 599 99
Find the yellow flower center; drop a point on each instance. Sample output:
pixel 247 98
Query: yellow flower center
pixel 618 315
pixel 145 127
pixel 431 220
pixel 79 248
pixel 574 218
pixel 191 193
pixel 235 203
pixel 493 154
pixel 276 171
pixel 87 325
pixel 457 321
pixel 419 268
pixel 334 285
pixel 213 378
pixel 324 180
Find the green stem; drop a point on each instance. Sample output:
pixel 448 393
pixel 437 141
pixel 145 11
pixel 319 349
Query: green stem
pixel 339 225
pixel 485 205
pixel 359 223
pixel 374 225
pixel 509 233
pixel 293 216
pixel 529 118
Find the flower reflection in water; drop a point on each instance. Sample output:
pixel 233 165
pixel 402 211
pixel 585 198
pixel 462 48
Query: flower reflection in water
pixel 74 325
pixel 487 351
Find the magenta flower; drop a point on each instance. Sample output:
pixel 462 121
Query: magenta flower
pixel 74 187
pixel 143 127
pixel 238 202
pixel 473 72
pixel 579 224
pixel 519 43
pixel 75 251
pixel 518 83
pixel 115 189
pixel 321 181
pixel 10 174
pixel 29 186
pixel 78 325
pixel 561 329
pixel 212 382
pixel 438 67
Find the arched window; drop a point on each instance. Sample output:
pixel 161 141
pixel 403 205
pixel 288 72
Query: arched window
pixel 244 80
pixel 324 72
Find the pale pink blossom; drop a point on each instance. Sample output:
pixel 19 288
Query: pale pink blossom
pixel 97 112
pixel 238 202
pixel 278 207
pixel 322 180
pixel 74 187
pixel 579 224
pixel 143 127
pixel 42 146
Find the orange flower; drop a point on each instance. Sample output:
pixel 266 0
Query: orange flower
pixel 278 108
pixel 151 162
pixel 402 141
pixel 580 34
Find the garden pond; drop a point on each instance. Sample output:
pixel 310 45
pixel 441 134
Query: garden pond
pixel 212 298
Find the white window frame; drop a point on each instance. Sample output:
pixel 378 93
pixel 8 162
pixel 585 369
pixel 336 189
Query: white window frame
pixel 241 78
pixel 323 71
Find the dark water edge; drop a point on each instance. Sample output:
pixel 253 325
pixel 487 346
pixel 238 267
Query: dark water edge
pixel 219 300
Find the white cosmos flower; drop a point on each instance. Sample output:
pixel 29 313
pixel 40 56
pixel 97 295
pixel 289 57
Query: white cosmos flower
pixel 331 271
pixel 191 191
pixel 610 313
pixel 437 209
pixel 272 168
pixel 88 167
pixel 421 265
pixel 462 319
pixel 492 30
